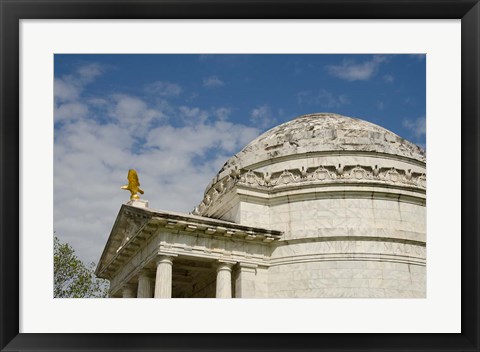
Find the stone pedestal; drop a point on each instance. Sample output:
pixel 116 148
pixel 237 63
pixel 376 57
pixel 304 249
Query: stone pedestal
pixel 163 279
pixel 224 280
pixel 145 285
pixel 128 291
pixel 139 203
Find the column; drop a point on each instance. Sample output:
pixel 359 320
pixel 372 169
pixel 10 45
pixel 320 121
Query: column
pixel 163 279
pixel 245 282
pixel 145 285
pixel 128 291
pixel 224 280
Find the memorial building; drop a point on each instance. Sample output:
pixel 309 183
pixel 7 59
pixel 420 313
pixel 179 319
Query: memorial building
pixel 321 206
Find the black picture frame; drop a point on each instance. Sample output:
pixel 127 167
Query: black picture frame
pixel 11 11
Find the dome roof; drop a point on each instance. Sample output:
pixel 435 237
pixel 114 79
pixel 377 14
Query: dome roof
pixel 323 132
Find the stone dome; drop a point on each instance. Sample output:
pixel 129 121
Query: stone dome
pixel 321 133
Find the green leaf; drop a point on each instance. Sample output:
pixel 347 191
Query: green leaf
pixel 72 278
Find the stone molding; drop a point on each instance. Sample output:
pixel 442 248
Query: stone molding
pixel 339 257
pixel 129 223
pixel 247 267
pixel 320 175
pixel 218 254
pixel 347 248
pixel 223 230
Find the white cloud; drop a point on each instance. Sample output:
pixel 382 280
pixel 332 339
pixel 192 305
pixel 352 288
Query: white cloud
pixel 65 91
pixel 380 105
pixel 388 78
pixel 212 81
pixel 70 111
pixel 88 73
pixel 68 87
pixel 262 117
pixel 164 89
pixel 134 113
pixel 96 101
pixel 222 113
pixel 92 161
pixel 198 139
pixel 192 115
pixel 352 71
pixel 418 127
pixel 322 98
pixel 92 157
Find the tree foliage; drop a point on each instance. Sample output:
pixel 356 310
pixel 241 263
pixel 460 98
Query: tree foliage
pixel 72 278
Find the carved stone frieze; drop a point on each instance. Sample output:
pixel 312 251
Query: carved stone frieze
pixel 313 175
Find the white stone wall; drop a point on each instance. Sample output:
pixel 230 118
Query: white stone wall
pixel 339 217
pixel 341 247
pixel 250 282
pixel 346 217
pixel 354 279
pixel 385 237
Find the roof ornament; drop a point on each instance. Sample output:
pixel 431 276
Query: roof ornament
pixel 195 211
pixel 133 185
pixel 235 173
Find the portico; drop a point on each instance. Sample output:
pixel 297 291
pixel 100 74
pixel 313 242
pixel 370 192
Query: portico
pixel 152 254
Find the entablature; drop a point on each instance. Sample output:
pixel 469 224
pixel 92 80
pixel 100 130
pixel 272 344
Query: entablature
pixel 134 228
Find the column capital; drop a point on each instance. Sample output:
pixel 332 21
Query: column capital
pixel 225 265
pixel 165 258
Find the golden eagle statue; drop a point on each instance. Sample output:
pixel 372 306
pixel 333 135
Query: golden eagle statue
pixel 133 185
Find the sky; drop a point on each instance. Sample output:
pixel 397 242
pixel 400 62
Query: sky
pixel 177 119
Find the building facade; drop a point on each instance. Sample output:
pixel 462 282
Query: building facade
pixel 320 206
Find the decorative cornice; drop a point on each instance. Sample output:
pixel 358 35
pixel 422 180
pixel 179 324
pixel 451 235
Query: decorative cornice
pixel 223 229
pixel 128 223
pixel 324 174
pixel 318 154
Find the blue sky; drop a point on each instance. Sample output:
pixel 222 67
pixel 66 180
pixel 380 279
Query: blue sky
pixel 178 118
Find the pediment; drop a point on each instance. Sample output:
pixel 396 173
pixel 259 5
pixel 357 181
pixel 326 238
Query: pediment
pixel 129 222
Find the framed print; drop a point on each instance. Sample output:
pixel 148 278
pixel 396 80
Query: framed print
pixel 322 223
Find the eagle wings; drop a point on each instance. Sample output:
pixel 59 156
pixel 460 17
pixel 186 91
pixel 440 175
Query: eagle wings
pixel 133 185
